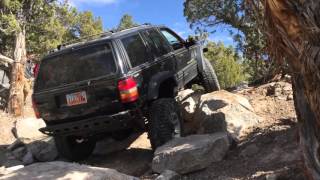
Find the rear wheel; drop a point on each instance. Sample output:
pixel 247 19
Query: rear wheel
pixel 74 148
pixel 165 121
pixel 209 78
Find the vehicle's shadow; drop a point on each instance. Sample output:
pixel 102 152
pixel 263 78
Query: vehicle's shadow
pixel 134 160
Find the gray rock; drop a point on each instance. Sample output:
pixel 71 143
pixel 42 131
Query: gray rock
pixel 27 158
pixel 249 151
pixel 222 111
pixel 43 150
pixel 168 175
pixel 27 129
pixel 16 144
pixel 188 100
pixel 20 152
pixel 64 170
pixel 192 153
pixel 182 95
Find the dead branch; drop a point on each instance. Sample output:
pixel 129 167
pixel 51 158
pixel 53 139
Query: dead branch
pixel 5 61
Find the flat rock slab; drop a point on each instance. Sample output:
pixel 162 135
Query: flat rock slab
pixel 64 171
pixel 192 153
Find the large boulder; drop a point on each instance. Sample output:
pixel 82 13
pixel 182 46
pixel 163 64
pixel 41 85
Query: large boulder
pixel 222 111
pixel 43 150
pixel 188 100
pixel 27 129
pixel 64 170
pixel 36 151
pixel 192 153
pixel 22 154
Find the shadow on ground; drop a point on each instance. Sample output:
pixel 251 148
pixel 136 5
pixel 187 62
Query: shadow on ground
pixel 134 160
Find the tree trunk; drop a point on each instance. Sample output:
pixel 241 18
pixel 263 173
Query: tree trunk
pixel 293 33
pixel 309 130
pixel 16 96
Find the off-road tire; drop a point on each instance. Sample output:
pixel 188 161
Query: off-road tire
pixel 163 113
pixel 70 149
pixel 209 78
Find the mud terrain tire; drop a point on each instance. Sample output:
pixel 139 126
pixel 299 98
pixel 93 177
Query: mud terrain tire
pixel 70 148
pixel 209 78
pixel 165 121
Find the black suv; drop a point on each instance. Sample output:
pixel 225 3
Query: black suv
pixel 118 83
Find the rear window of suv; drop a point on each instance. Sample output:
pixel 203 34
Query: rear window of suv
pixel 77 65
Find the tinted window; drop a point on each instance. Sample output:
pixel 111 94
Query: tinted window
pixel 173 39
pixel 158 44
pixel 136 50
pixel 78 65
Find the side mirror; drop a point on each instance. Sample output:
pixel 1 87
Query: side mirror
pixel 190 42
pixel 205 50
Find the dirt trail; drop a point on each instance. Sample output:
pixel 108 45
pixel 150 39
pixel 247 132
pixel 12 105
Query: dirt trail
pixel 269 149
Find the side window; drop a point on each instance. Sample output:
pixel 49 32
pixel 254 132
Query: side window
pixel 157 43
pixel 173 39
pixel 136 50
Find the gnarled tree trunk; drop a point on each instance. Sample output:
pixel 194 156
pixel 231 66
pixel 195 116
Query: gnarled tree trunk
pixel 17 80
pixel 293 29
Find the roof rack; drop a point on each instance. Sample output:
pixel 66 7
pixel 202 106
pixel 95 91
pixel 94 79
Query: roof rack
pixel 83 39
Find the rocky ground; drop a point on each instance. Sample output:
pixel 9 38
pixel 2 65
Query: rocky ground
pixel 269 149
pixel 264 146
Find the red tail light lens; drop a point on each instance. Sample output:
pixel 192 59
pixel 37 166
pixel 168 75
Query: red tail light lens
pixel 36 70
pixel 35 109
pixel 128 90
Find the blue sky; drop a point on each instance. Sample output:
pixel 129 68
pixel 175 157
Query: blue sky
pixel 166 12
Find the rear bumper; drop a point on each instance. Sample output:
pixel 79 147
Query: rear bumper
pixel 108 123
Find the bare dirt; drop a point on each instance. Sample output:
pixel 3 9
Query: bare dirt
pixel 268 150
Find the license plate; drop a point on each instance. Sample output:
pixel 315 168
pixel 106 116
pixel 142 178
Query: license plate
pixel 76 98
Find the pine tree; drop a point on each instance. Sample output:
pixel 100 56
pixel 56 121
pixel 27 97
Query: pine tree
pixel 126 22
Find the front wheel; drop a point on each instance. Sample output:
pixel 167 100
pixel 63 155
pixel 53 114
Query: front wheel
pixel 165 121
pixel 209 78
pixel 74 148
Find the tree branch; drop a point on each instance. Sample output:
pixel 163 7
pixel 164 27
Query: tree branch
pixel 5 60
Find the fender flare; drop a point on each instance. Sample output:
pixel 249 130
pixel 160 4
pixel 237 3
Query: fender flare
pixel 155 82
pixel 200 58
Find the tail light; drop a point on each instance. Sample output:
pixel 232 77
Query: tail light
pixel 35 109
pixel 128 90
pixel 36 70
